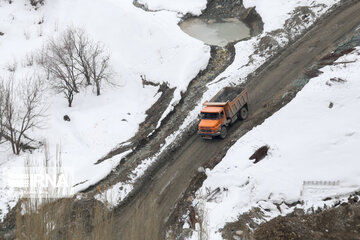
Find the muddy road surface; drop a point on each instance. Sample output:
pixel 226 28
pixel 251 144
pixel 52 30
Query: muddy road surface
pixel 144 216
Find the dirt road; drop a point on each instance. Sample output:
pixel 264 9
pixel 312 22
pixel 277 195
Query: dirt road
pixel 144 215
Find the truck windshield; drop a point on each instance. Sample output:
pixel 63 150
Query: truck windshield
pixel 209 115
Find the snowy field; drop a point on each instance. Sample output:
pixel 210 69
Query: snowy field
pixel 139 43
pixel 313 153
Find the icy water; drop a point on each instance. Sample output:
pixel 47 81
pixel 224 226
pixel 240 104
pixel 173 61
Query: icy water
pixel 216 33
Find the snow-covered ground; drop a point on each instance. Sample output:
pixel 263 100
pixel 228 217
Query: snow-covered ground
pixel 184 6
pixel 275 13
pixel 313 152
pixel 139 42
pixel 236 73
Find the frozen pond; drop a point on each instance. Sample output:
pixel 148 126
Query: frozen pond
pixel 215 32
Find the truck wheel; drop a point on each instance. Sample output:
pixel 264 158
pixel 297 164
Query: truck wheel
pixel 223 132
pixel 243 113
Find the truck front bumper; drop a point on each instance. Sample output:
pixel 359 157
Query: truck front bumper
pixel 204 135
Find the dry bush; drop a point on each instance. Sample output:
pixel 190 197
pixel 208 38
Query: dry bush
pixel 65 219
pixel 44 217
pixel 202 220
pixel 36 3
pixel 29 60
pixel 12 66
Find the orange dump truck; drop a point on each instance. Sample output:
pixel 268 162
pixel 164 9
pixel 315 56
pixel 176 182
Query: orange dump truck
pixel 223 110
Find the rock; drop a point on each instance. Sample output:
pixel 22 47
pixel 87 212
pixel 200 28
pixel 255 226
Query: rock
pixel 66 118
pixel 201 169
pixel 190 199
pixel 1 33
pixel 331 105
pixel 353 199
pixel 260 154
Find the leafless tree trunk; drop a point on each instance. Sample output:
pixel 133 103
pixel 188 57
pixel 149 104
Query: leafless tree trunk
pixel 1 113
pixel 21 111
pixel 81 44
pixel 98 65
pixel 9 113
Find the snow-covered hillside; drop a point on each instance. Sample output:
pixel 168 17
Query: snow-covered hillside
pixel 139 43
pixel 313 153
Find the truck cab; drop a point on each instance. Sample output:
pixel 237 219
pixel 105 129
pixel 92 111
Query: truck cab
pixel 228 105
pixel 212 118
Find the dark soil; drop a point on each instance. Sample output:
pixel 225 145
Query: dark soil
pixel 227 94
pixel 340 223
pixel 329 59
pixel 260 154
pixel 242 227
pixel 311 73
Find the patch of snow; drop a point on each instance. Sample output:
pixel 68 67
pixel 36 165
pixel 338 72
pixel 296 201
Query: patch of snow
pixel 114 196
pixel 185 6
pixel 283 10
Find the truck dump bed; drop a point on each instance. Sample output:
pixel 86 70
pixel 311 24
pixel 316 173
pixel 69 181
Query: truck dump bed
pixel 232 99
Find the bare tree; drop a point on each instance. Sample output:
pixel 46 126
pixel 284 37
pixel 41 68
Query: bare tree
pixel 73 59
pixel 98 65
pixel 59 61
pixel 81 44
pixel 21 111
pixel 92 59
